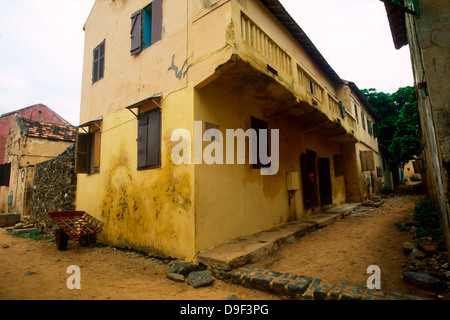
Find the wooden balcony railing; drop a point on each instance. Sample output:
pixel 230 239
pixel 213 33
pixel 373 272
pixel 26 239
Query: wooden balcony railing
pixel 261 42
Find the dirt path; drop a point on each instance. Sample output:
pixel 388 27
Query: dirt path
pixel 341 252
pixel 32 269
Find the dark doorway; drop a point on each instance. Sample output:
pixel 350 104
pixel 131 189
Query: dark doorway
pixel 309 178
pixel 326 196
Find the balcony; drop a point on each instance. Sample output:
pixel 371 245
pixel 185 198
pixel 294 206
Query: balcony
pixel 264 45
pixel 264 53
pixel 268 64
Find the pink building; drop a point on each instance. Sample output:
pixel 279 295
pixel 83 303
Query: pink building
pixel 37 112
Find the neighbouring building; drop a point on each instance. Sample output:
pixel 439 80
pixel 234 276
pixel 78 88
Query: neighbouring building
pixel 155 69
pixel 424 26
pixel 37 112
pixel 29 142
pixel 372 165
pixel 410 171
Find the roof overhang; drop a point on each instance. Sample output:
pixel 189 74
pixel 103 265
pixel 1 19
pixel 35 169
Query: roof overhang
pixel 397 23
pixel 362 98
pixel 97 122
pixel 154 98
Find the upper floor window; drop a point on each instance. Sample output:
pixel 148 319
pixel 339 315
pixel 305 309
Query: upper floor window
pixel 146 27
pixel 98 66
pixel 369 127
pixel 356 113
pixel 363 120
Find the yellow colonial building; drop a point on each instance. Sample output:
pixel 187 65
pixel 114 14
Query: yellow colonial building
pixel 207 69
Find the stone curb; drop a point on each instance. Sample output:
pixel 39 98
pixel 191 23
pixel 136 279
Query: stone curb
pixel 304 287
pixel 252 248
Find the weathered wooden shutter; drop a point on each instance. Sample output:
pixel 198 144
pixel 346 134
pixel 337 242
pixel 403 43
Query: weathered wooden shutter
pixel 154 138
pixel 82 147
pixel 97 148
pixel 157 15
pixel 95 65
pixel 379 172
pixel 142 140
pixel 101 60
pixel 5 174
pixel 367 162
pixel 363 119
pixel 149 139
pixel 136 32
pixel 369 127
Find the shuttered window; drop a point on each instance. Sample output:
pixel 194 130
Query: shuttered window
pixel 88 146
pixel 5 174
pixel 146 27
pixel 369 127
pixel 98 68
pixel 367 162
pixel 363 120
pixel 149 139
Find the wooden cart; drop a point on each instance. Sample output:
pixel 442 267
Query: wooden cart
pixel 74 225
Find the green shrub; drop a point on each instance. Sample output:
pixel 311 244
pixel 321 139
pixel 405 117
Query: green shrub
pixel 414 178
pixel 429 226
pixel 386 189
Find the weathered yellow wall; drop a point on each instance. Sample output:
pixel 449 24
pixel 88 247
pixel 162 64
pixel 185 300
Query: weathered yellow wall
pixel 408 171
pixel 147 210
pixel 130 79
pixel 236 200
pixel 365 142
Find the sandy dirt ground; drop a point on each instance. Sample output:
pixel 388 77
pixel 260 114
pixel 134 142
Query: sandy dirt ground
pixel 37 270
pixel 341 252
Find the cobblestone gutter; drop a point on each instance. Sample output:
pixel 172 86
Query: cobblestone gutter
pixel 303 287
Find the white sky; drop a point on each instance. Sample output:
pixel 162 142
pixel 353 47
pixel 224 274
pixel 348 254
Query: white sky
pixel 41 48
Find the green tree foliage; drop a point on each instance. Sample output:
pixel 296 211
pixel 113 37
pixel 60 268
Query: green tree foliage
pixel 398 127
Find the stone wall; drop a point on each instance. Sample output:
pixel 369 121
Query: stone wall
pixel 54 187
